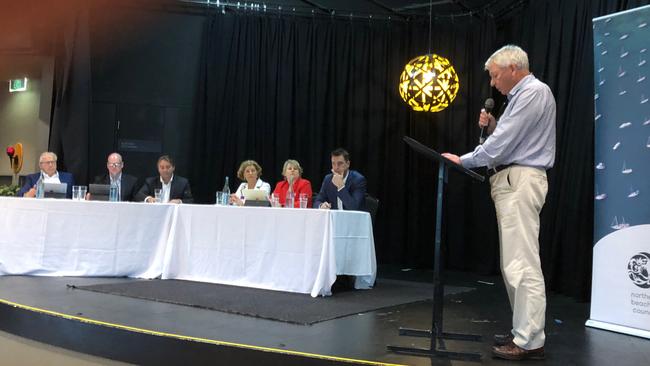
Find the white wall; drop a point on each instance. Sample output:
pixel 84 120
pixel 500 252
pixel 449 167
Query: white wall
pixel 24 116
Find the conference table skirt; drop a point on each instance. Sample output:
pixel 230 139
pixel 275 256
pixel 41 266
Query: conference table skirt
pixel 54 237
pixel 296 250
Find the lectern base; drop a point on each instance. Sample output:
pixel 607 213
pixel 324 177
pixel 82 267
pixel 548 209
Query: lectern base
pixel 436 334
pixel 461 356
pixel 435 352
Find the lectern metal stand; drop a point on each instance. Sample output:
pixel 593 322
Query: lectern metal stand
pixel 437 346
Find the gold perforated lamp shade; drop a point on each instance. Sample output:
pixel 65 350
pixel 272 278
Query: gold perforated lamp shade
pixel 429 83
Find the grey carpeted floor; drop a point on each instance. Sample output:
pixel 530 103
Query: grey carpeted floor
pixel 275 305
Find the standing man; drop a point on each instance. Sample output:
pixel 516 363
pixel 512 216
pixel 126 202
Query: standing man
pixel 343 189
pixel 517 155
pixel 49 174
pixel 126 184
pixel 174 188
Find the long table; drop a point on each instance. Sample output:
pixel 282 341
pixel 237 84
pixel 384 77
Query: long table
pixel 297 250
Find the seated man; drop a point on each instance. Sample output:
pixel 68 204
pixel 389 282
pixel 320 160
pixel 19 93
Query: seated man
pixel 175 189
pixel 343 189
pixel 49 174
pixel 126 184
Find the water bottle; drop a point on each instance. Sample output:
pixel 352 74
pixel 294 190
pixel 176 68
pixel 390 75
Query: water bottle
pixel 288 201
pixel 40 188
pixel 113 192
pixel 226 193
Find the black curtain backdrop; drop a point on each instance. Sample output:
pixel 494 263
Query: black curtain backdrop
pixel 71 92
pixel 277 87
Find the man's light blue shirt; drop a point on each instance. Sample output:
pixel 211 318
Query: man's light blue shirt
pixel 525 133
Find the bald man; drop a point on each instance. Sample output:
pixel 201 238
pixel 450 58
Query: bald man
pixel 127 184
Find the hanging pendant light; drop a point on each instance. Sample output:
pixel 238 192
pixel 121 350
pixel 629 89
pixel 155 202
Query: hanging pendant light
pixel 429 83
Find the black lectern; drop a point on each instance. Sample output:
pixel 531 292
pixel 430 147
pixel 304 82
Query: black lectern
pixel 436 334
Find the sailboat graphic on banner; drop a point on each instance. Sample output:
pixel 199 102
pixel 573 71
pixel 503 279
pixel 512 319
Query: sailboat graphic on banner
pixel 619 225
pixel 600 196
pixel 633 193
pixel 625 169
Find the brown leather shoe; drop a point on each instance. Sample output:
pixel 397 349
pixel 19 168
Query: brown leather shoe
pixel 513 352
pixel 502 339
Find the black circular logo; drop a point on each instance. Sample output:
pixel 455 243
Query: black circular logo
pixel 638 268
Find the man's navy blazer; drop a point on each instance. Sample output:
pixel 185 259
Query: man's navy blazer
pixel 353 194
pixel 128 185
pixel 32 179
pixel 180 189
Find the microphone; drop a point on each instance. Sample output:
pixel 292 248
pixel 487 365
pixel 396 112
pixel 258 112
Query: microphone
pixel 488 106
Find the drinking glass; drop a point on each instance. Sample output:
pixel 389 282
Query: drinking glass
pixel 275 200
pixel 75 193
pixel 303 200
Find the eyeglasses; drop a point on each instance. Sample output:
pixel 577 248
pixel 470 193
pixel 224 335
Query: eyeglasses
pixel 114 165
pixel 49 162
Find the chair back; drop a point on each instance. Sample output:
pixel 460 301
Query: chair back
pixel 372 205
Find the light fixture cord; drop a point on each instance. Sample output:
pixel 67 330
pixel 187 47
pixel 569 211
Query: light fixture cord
pixel 430 16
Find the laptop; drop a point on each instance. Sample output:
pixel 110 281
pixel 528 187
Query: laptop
pixel 256 197
pixel 99 192
pixel 55 190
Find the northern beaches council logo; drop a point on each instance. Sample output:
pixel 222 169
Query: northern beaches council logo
pixel 638 269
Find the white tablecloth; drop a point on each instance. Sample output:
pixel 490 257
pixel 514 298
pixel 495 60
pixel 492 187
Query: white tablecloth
pixel 297 250
pixel 53 237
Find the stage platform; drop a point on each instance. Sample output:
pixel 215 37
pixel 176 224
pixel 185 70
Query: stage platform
pixel 141 331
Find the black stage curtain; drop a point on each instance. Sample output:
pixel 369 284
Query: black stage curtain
pixel 274 87
pixel 277 88
pixel 71 92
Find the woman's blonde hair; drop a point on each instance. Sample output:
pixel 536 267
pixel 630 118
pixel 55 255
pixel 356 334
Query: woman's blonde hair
pixel 245 164
pixel 295 163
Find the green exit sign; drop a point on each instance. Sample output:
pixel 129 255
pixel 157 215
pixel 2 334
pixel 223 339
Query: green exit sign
pixel 16 85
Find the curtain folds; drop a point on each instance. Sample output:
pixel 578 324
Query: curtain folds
pixel 279 87
pixel 72 94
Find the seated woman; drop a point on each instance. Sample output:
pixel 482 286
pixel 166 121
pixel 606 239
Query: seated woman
pixel 249 171
pixel 292 171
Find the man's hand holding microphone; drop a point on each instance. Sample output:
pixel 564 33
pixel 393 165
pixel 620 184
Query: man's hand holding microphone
pixel 486 119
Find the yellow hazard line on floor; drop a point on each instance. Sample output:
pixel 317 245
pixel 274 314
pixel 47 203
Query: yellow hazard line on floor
pixel 189 338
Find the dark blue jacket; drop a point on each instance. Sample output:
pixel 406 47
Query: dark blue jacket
pixel 32 179
pixel 353 195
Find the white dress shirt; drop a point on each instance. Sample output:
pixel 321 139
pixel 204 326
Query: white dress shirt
pixel 339 203
pixel 166 189
pixel 52 179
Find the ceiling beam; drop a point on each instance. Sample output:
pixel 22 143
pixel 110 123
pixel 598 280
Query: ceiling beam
pixel 466 8
pixel 423 5
pixel 387 8
pixel 319 7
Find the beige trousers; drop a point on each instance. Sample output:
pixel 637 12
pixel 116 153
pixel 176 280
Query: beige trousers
pixel 519 193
